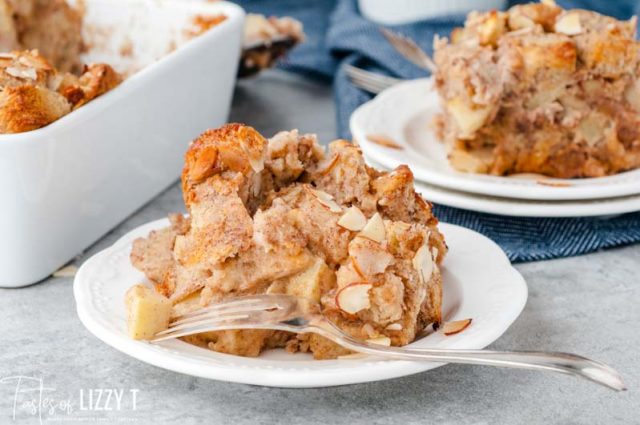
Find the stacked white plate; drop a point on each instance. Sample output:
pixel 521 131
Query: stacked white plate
pixel 403 114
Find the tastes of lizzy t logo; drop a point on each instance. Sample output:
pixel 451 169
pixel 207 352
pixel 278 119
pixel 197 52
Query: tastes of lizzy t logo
pixel 30 397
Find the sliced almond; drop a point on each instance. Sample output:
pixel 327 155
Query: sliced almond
pixel 385 141
pixel 356 268
pixel 569 24
pixel 29 73
pixel 347 274
pixel 353 219
pixel 452 328
pixel 329 167
pixel 256 164
pixel 370 260
pixel 331 205
pixel 553 183
pixel 374 229
pixel 354 297
pixel 67 271
pixel 423 263
pixel 394 327
pixel 7 56
pixel 381 340
pixel 324 199
pixel 255 160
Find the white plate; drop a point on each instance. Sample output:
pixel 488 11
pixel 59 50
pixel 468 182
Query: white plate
pixel 479 282
pixel 404 113
pixel 523 207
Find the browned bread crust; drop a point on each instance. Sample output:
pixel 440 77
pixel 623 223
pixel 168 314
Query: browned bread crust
pixel 34 94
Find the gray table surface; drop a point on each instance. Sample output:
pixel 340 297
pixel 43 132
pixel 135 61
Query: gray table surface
pixel 587 305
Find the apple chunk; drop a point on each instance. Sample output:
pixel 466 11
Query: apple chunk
pixel 354 297
pixel 147 312
pixel 312 282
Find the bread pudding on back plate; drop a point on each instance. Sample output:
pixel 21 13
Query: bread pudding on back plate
pixel 284 216
pixel 539 89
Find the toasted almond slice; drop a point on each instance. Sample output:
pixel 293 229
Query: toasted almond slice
pixel 434 253
pixel 329 167
pixel 394 327
pixel 354 297
pixel 256 164
pixel 331 205
pixel 381 340
pixel 374 229
pixel 357 269
pixel 353 219
pixel 370 260
pixel 452 328
pixel 256 161
pixel 320 194
pixel 5 55
pixel 324 199
pixel 347 274
pixel 569 24
pixel 67 271
pixel 385 141
pixel 423 263
pixel 22 72
pixel 553 184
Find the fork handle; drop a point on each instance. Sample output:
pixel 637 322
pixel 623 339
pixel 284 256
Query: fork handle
pixel 532 360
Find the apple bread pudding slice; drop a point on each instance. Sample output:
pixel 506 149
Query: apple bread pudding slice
pixel 539 89
pixel 284 216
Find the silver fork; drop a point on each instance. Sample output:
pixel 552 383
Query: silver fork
pixel 370 81
pixel 287 313
pixel 410 50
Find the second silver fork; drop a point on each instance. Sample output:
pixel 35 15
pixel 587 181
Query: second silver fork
pixel 286 313
pixel 370 81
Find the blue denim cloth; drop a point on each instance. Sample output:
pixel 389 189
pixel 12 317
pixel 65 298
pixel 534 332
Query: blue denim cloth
pixel 338 34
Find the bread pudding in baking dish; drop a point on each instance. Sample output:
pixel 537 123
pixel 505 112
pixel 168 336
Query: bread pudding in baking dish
pixel 39 86
pixel 539 89
pixel 284 216
pixel 34 94
pixel 51 26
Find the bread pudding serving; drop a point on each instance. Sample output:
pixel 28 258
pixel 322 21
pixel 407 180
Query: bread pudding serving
pixel 284 216
pixel 539 89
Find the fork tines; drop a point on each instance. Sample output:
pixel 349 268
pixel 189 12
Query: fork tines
pixel 370 81
pixel 410 50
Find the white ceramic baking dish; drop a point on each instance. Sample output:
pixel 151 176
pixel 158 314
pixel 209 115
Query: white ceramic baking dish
pixel 64 186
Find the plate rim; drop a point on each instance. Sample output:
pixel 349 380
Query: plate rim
pixel 264 373
pixel 512 207
pixel 484 184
